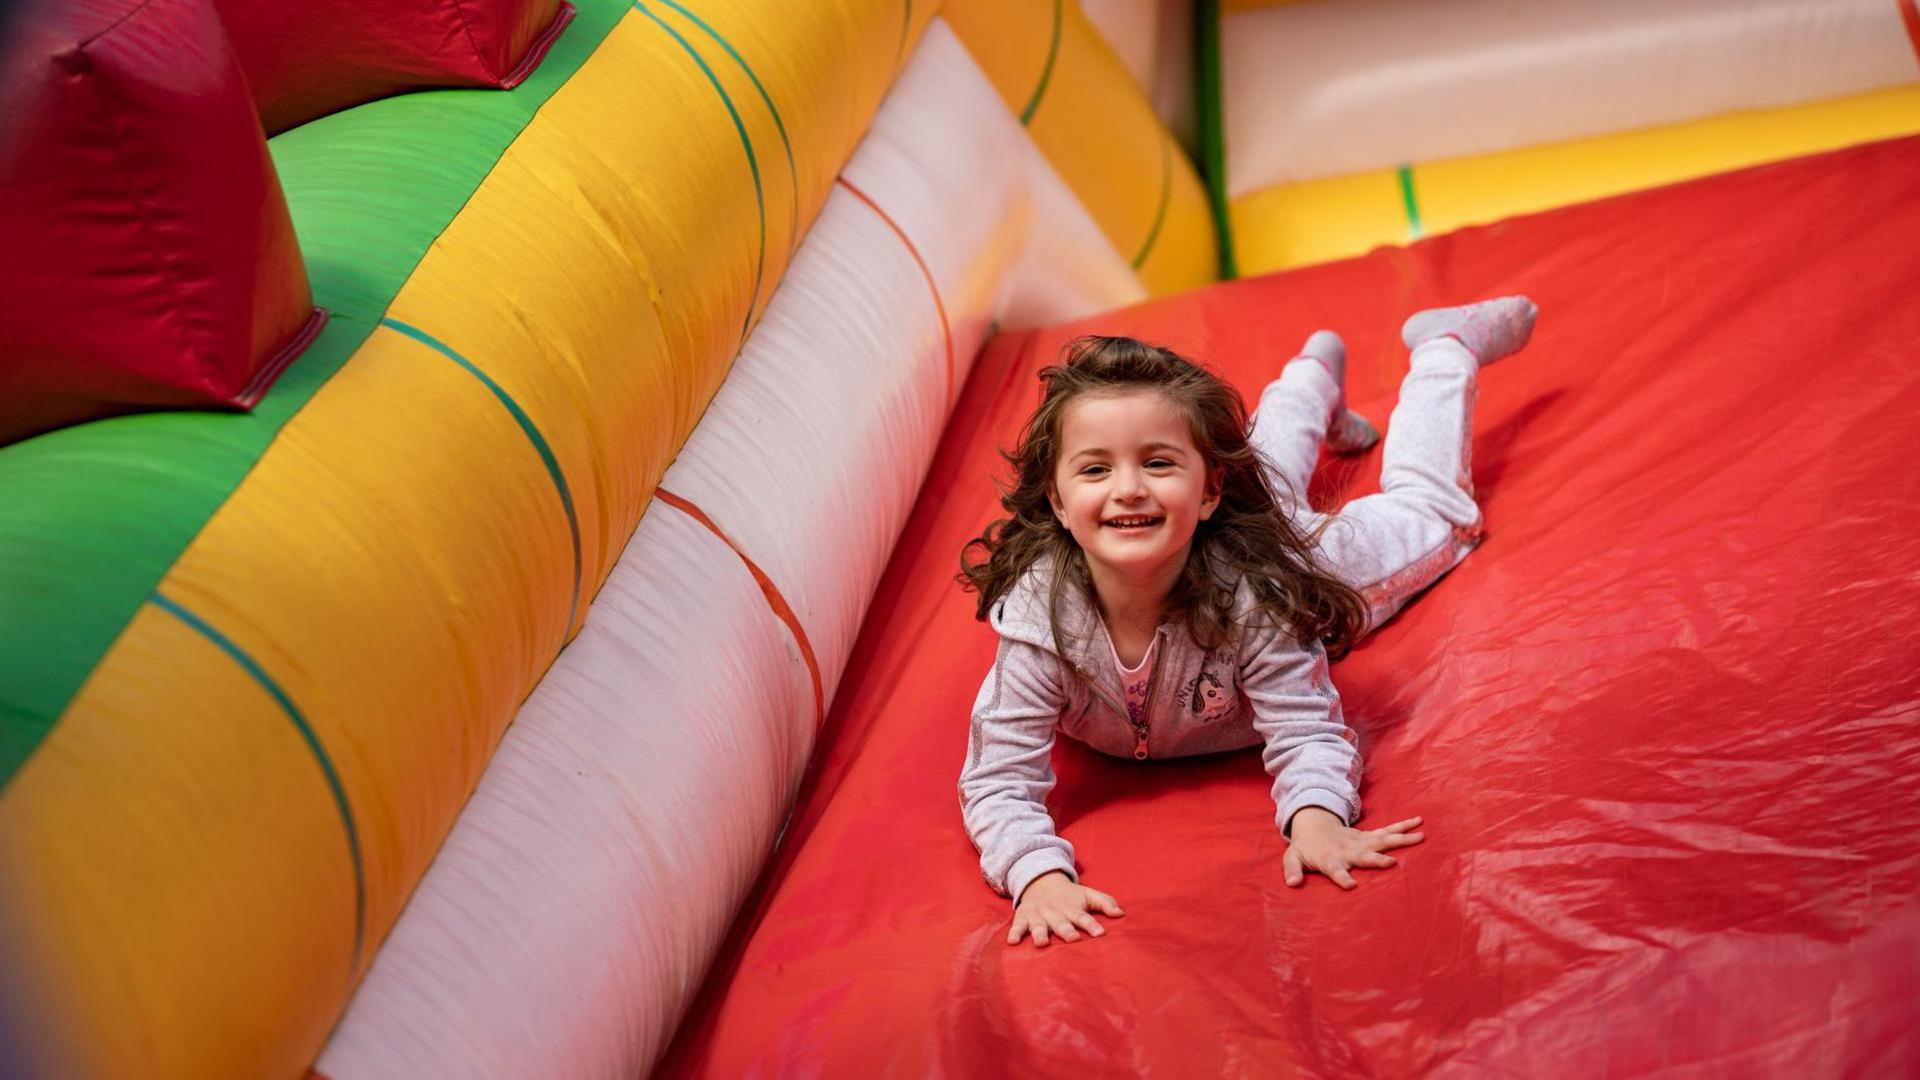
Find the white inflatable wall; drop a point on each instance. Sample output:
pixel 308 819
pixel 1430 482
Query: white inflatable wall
pixel 575 907
pixel 1314 90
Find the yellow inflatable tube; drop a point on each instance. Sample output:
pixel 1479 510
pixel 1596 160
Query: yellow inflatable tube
pixel 1320 220
pixel 1092 121
pixel 338 651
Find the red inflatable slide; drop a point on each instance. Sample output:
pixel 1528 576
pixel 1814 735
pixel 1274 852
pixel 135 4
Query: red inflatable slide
pixel 1664 725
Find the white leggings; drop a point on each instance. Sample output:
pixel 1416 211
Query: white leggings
pixel 1424 520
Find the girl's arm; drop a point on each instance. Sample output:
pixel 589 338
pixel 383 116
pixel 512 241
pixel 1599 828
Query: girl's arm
pixel 1309 750
pixel 1009 770
pixel 1315 764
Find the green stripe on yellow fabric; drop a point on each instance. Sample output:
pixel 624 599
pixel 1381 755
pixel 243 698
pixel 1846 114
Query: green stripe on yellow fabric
pixel 786 144
pixel 1046 70
pixel 1410 203
pixel 527 427
pixel 320 756
pixel 746 143
pixel 1166 193
pixel 906 28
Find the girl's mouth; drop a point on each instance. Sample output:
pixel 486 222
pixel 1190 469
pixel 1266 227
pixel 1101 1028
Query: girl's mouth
pixel 1132 522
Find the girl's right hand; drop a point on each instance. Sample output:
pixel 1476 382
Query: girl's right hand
pixel 1056 904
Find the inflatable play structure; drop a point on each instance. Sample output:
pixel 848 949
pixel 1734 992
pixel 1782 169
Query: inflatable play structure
pixel 483 484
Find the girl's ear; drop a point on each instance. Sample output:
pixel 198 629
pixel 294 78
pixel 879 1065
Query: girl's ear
pixel 1059 508
pixel 1216 479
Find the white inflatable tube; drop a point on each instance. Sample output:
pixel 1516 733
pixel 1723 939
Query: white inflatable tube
pixel 583 892
pixel 1324 89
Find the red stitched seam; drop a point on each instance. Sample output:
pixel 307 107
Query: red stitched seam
pixel 250 394
pixel 537 51
pixel 466 27
pixel 781 609
pixel 945 331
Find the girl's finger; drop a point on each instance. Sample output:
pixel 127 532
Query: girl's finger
pixel 1017 931
pixel 1062 927
pixel 1290 869
pixel 1039 928
pixel 1103 903
pixel 1375 860
pixel 1398 840
pixel 1088 923
pixel 1340 876
pixel 1402 826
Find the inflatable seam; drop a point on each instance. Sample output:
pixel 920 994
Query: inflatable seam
pixel 257 386
pixel 933 287
pixel 786 144
pixel 532 432
pixel 906 30
pixel 1166 194
pixel 537 51
pixel 1046 70
pixel 466 28
pixel 746 142
pixel 781 609
pixel 266 682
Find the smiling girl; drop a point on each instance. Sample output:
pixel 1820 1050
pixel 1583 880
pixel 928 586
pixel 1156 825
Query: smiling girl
pixel 1160 588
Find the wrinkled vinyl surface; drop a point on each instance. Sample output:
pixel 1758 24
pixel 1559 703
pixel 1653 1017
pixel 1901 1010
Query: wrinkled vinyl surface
pixel 1664 725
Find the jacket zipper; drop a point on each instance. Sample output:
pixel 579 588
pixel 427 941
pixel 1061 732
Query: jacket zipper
pixel 1140 730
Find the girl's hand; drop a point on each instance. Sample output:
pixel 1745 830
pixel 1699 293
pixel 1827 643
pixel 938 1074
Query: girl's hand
pixel 1056 904
pixel 1322 842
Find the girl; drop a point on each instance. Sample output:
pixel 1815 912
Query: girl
pixel 1160 589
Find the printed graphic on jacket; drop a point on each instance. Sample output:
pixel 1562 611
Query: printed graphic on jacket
pixel 1137 701
pixel 1209 696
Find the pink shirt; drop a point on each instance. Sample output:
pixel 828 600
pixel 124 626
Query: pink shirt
pixel 1135 678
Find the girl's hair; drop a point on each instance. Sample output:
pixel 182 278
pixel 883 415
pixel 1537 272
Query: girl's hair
pixel 1248 537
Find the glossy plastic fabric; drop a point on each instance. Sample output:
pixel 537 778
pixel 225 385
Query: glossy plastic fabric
pixel 1095 124
pixel 149 258
pixel 631 803
pixel 1318 220
pixel 1327 89
pixel 307 58
pixel 1662 724
pixel 337 649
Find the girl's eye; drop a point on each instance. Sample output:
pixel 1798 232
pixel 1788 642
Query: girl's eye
pixel 1093 470
pixel 1159 463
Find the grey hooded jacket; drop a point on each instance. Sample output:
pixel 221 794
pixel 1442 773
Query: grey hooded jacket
pixel 1265 689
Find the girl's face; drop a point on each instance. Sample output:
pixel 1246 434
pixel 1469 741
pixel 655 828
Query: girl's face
pixel 1129 483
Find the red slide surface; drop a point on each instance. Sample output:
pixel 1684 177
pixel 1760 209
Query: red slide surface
pixel 1664 725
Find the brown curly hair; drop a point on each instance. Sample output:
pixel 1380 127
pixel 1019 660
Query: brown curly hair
pixel 1249 537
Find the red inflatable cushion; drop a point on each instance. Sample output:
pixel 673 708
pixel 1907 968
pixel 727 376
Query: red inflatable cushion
pixel 307 58
pixel 1663 725
pixel 150 260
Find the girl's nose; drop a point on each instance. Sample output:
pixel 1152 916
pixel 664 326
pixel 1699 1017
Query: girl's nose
pixel 1129 484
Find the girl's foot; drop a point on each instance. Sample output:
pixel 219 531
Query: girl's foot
pixel 1489 329
pixel 1347 431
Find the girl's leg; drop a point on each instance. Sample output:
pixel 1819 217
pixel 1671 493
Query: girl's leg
pixel 1424 521
pixel 1295 413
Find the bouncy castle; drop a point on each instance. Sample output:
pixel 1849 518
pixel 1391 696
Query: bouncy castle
pixel 481 484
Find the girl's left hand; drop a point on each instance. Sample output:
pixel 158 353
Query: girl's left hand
pixel 1322 842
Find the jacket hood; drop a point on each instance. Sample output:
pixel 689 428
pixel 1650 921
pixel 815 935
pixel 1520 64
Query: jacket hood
pixel 1025 613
